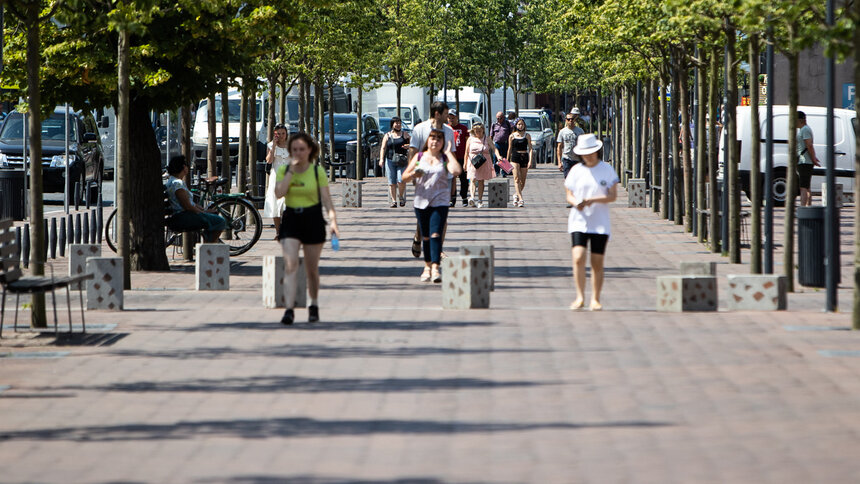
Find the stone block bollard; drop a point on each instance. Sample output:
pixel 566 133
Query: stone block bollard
pixel 758 292
pixel 465 282
pixel 212 267
pixel 636 193
pixel 104 290
pixel 351 193
pixel 498 192
pixel 692 268
pixel 840 195
pixel 78 255
pixel 482 251
pixel 273 283
pixel 686 293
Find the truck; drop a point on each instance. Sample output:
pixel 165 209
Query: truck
pixel 474 101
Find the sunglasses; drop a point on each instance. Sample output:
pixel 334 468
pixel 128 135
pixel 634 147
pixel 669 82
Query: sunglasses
pixel 568 119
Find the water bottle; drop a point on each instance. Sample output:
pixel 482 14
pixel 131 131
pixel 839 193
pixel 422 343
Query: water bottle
pixel 335 243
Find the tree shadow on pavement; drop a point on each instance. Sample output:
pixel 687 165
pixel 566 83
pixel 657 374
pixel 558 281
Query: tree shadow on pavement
pixel 296 427
pixel 306 479
pixel 369 325
pixel 561 270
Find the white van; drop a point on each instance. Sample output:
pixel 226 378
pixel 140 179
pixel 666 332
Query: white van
pixel 409 113
pixel 845 129
pixel 200 132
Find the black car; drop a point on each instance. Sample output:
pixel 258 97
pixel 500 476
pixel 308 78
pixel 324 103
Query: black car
pixel 85 152
pixel 344 132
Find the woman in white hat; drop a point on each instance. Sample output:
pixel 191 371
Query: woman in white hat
pixel 591 186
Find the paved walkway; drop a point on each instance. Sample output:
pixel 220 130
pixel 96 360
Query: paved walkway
pixel 207 387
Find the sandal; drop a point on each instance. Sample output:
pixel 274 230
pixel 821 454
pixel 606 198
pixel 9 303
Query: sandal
pixel 416 248
pixel 437 276
pixel 425 276
pixel 403 201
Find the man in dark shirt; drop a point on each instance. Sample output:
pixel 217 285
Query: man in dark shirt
pixel 460 135
pixel 500 132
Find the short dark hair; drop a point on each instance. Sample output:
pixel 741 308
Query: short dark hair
pixel 176 164
pixel 395 119
pixel 801 115
pixel 437 107
pixel 309 140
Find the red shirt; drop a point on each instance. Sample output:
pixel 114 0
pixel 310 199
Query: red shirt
pixel 460 135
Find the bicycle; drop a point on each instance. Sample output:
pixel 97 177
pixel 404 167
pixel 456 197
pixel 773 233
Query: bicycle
pixel 244 223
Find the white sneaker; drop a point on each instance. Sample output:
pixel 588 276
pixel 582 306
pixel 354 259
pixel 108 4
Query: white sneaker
pixel 480 204
pixel 471 202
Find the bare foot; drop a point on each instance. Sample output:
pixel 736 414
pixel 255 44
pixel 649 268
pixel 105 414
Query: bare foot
pixel 595 305
pixel 578 304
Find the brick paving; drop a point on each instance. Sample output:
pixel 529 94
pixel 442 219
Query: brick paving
pixel 208 387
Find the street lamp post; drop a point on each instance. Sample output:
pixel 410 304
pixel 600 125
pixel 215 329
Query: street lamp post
pixel 831 227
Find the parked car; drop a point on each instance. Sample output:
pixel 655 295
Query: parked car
pixel 845 124
pixel 408 113
pixel 86 163
pixel 539 127
pixel 345 131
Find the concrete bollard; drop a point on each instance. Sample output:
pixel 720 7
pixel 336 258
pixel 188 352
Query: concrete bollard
pixel 636 193
pixel 693 268
pixel 840 195
pixel 212 267
pixel 758 292
pixel 498 192
pixel 78 255
pixel 465 282
pixel 482 251
pixel 351 193
pixel 104 290
pixel 273 283
pixel 686 293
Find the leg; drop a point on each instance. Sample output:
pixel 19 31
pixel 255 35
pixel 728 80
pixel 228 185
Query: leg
pixel 423 216
pixel 805 198
pixel 312 268
pixel 524 172
pixel 517 190
pixel 596 280
pixel 392 193
pixel 464 185
pixel 438 219
pixel 481 190
pixel 290 249
pixel 579 276
pixel 277 222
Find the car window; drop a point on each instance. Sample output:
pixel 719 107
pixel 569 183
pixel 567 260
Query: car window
pixel 532 123
pixel 816 122
pixel 53 128
pixel 342 125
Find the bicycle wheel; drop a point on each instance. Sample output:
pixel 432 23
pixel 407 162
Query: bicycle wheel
pixel 110 230
pixel 244 224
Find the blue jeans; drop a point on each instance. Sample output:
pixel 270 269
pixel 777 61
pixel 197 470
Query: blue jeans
pixel 186 221
pixel 394 173
pixel 431 221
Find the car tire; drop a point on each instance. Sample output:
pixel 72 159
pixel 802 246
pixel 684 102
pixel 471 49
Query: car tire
pixel 779 186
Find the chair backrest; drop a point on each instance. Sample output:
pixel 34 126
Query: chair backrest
pixel 10 264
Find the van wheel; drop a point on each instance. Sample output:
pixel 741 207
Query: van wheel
pixel 779 186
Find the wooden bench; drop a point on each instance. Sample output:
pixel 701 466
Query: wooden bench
pixel 13 280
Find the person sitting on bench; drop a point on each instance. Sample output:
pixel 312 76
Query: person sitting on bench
pixel 188 216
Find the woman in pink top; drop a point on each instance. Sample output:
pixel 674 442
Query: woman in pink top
pixel 478 144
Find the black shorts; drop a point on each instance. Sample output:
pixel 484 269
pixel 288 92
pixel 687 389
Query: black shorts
pixel 804 175
pixel 598 241
pixel 305 224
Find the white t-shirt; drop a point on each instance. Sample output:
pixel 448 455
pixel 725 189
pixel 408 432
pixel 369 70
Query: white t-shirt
pixel 585 182
pixel 422 132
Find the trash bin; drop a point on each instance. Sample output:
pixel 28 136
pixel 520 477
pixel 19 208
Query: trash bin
pixel 12 194
pixel 810 246
pixel 262 178
pixel 351 149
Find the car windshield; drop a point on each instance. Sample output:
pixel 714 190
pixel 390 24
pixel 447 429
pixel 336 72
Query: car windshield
pixel 342 125
pixel 532 124
pixel 293 108
pixel 388 112
pixel 467 106
pixel 53 129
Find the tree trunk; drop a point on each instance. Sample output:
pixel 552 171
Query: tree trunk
pixel 733 154
pixel 359 153
pixel 319 117
pixel 755 160
pixel 37 216
pixel 677 174
pixel 628 136
pixel 855 317
pixel 225 133
pixel 400 97
pixel 303 104
pixel 788 243
pixel 282 102
pixel 123 156
pixel 242 162
pixel 270 112
pixel 616 132
pixel 331 127
pixel 252 135
pixel 684 105
pixel 145 186
pixel 211 150
pixel 310 108
pixel 599 118
pixel 643 157
pixel 665 146
pixel 185 120
pixel 656 145
pixel 701 157
pixel 713 152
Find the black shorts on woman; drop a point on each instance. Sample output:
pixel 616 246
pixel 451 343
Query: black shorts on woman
pixel 306 224
pixel 598 241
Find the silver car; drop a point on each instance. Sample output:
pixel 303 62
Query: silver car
pixel 539 127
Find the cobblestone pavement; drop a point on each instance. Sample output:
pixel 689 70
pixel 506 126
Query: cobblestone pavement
pixel 197 387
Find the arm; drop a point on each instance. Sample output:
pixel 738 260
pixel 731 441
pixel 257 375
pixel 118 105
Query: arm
pixel 329 207
pixel 184 199
pixel 283 186
pixel 531 150
pixel 270 154
pixel 453 167
pixel 510 146
pixel 382 149
pixel 466 153
pixel 611 196
pixel 410 173
pixel 811 150
pixel 558 147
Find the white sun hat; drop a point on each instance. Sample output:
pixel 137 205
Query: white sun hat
pixel 587 144
pixel 574 111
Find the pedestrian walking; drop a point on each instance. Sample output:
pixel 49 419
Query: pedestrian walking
pixel 304 187
pixel 567 137
pixel 500 131
pixel 277 156
pixel 430 169
pixel 479 168
pixel 461 135
pixel 520 155
pixel 806 159
pixel 394 157
pixel 591 186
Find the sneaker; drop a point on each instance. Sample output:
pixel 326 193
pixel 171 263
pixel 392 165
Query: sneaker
pixel 313 314
pixel 437 276
pixel 393 204
pixel 425 276
pixel 520 203
pixel 288 318
pixel 465 202
pixel 479 204
pixel 471 202
pixel 453 202
pixel 402 201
